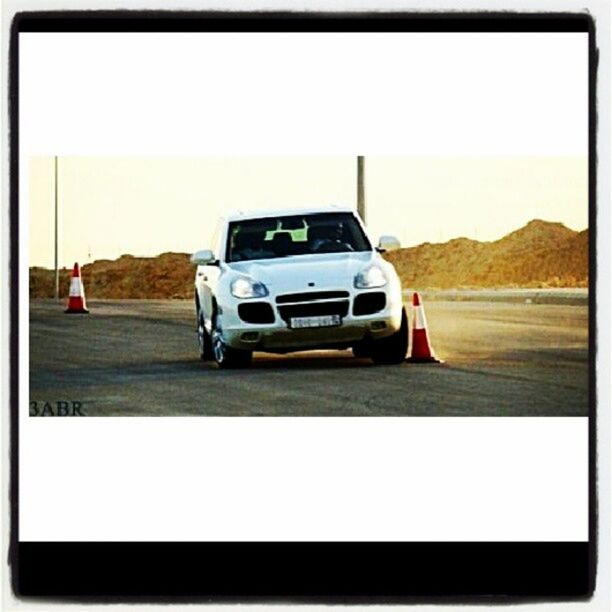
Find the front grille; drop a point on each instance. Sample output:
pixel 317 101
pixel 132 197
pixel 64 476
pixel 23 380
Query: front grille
pixel 258 312
pixel 369 303
pixel 314 309
pixel 310 296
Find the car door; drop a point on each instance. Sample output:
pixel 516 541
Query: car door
pixel 207 276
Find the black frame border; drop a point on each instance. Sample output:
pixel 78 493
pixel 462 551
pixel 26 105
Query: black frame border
pixel 545 561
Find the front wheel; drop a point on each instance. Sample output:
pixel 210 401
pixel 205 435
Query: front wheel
pixel 361 350
pixel 204 339
pixel 225 356
pixel 392 350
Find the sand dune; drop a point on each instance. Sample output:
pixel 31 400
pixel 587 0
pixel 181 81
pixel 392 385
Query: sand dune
pixel 541 254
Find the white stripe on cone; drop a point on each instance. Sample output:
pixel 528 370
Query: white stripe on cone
pixel 76 287
pixel 420 322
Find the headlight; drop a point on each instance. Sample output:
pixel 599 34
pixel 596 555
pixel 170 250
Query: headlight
pixel 370 277
pixel 244 288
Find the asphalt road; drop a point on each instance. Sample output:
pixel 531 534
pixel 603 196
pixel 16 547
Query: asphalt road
pixel 137 357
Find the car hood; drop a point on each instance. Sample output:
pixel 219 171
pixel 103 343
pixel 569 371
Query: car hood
pixel 329 270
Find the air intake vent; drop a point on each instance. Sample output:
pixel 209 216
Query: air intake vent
pixel 369 303
pixel 258 312
pixel 310 296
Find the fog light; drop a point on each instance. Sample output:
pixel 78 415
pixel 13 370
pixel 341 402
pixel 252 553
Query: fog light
pixel 378 325
pixel 250 336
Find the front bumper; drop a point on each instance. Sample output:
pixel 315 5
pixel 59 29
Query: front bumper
pixel 279 336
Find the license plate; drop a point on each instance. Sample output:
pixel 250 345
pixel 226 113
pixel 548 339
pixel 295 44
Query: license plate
pixel 323 321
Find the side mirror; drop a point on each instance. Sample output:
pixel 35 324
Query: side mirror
pixel 201 258
pixel 388 243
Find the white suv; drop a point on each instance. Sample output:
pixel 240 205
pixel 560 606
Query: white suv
pixel 282 281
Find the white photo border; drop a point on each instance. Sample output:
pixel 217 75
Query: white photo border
pixel 26 456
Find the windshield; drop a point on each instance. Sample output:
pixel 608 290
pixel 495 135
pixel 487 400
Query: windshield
pixel 273 237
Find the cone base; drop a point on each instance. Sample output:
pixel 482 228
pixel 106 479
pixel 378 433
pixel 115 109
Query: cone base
pixel 423 360
pixel 69 311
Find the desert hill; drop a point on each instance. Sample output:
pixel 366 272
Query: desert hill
pixel 169 275
pixel 541 254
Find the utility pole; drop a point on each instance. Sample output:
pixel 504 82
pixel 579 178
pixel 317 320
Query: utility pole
pixel 361 188
pixel 56 267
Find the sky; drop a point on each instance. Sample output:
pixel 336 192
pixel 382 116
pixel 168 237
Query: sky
pixel 144 206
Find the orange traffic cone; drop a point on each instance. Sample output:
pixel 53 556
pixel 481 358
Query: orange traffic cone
pixel 76 297
pixel 421 349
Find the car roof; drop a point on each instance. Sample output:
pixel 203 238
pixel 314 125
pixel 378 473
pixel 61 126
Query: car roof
pixel 285 212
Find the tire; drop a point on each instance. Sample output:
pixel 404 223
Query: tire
pixel 204 341
pixel 225 356
pixel 392 350
pixel 361 350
